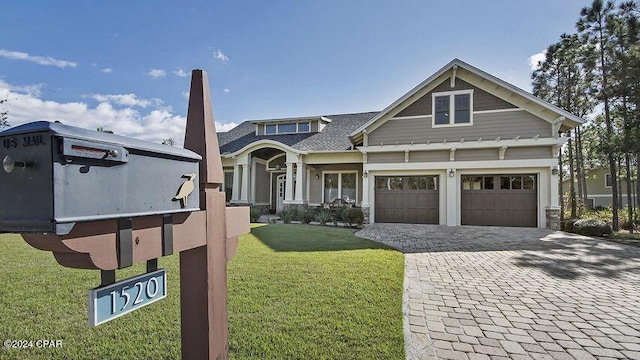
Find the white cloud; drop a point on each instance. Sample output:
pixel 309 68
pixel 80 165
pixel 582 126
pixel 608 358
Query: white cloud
pixel 126 100
pixel 180 72
pixel 40 60
pixel 226 90
pixel 185 94
pixel 536 58
pixel 224 127
pixel 157 73
pixel 155 124
pixel 107 70
pixel 220 56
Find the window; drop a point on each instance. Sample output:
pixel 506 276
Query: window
pixel 228 185
pixel 304 127
pixel 607 180
pixel 477 183
pixel 389 183
pixel 453 108
pixel 286 128
pixel 340 185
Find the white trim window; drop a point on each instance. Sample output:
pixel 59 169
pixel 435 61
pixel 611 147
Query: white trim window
pixel 287 128
pixel 340 184
pixel 607 180
pixel 452 108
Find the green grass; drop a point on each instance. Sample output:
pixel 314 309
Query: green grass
pixel 295 292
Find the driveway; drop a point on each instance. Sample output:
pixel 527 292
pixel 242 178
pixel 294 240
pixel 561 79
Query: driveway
pixel 495 293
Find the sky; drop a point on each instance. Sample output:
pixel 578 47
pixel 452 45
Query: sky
pixel 125 66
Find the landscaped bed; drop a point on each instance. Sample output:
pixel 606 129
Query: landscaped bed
pixel 295 291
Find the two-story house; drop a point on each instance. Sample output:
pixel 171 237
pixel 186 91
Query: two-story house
pixel 461 148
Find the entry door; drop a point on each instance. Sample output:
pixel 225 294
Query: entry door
pixel 281 179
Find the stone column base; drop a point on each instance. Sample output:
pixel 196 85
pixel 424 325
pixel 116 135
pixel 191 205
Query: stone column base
pixel 365 211
pixel 553 218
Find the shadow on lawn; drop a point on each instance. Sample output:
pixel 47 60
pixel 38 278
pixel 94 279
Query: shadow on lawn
pixel 302 238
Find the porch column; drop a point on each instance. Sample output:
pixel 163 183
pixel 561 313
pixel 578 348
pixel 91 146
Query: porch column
pixel 244 193
pixel 235 190
pixel 452 198
pixel 553 189
pixel 300 171
pixel 288 187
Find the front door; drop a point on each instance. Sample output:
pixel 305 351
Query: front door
pixel 281 179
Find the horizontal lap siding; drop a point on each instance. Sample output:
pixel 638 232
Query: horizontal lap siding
pixel 428 156
pixel 477 154
pixel 488 126
pixel 519 153
pixel 390 157
pixel 262 184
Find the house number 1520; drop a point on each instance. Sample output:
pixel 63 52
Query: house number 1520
pixel 150 290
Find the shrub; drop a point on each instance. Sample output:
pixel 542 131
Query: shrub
pixel 353 216
pixel 286 216
pixel 307 215
pixel 591 227
pixel 567 225
pixel 254 214
pixel 323 216
pixel 296 213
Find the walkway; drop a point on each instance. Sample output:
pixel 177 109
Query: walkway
pixel 520 293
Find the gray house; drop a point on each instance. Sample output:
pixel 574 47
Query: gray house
pixel 461 148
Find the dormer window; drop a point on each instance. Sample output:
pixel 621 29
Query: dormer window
pixel 287 128
pixel 452 108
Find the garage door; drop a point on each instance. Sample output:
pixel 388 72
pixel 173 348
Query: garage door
pixel 408 199
pixel 500 200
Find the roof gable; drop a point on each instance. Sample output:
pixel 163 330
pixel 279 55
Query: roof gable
pixel 490 84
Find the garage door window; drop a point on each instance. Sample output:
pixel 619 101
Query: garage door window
pixel 477 183
pixel 423 183
pixel 389 183
pixel 526 182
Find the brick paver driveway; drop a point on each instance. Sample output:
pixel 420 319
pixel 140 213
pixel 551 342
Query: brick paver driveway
pixel 494 293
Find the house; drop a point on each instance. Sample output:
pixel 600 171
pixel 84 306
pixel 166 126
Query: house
pixel 598 183
pixel 461 148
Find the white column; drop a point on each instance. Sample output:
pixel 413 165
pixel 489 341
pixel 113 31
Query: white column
pixel 300 170
pixel 244 193
pixel 553 190
pixel 235 191
pixel 365 188
pixel 288 187
pixel 452 198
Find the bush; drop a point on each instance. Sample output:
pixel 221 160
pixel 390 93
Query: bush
pixel 307 215
pixel 353 216
pixel 323 216
pixel 296 213
pixel 254 214
pixel 286 216
pixel 591 227
pixel 567 225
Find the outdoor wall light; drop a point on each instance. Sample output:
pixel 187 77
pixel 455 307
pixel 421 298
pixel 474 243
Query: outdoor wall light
pixel 317 176
pixel 278 167
pixel 555 170
pixel 365 174
pixel 452 173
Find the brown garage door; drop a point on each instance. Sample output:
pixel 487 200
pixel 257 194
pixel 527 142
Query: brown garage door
pixel 409 199
pixel 500 200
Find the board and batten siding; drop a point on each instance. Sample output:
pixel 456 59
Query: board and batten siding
pixel 488 126
pixel 482 100
pixel 262 187
pixel 315 185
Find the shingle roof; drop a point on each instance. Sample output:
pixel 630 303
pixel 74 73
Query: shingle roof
pixel 335 135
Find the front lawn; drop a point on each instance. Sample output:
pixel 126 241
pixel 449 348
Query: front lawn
pixel 295 291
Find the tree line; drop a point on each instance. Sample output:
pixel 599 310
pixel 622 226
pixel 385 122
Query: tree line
pixel 594 73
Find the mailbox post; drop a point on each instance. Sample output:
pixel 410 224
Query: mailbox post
pixel 97 209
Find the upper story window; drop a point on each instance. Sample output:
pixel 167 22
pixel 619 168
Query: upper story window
pixel 607 180
pixel 287 128
pixel 452 108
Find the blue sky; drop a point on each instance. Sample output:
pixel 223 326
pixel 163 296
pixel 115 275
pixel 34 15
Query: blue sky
pixel 125 66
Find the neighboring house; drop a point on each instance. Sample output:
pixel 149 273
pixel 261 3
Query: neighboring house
pixel 461 148
pixel 598 183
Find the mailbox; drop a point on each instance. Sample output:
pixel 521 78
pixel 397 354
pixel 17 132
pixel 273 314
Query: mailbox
pixel 56 175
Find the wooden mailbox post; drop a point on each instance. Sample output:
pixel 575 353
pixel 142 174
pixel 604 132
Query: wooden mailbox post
pixel 206 239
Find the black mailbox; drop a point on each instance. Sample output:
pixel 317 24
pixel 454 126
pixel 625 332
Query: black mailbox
pixel 56 175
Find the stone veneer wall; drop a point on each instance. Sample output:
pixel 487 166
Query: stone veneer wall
pixel 553 218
